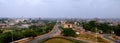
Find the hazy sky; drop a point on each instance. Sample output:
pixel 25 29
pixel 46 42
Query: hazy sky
pixel 60 8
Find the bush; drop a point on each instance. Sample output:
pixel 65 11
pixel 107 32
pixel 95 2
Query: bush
pixel 6 37
pixel 69 32
pixel 30 33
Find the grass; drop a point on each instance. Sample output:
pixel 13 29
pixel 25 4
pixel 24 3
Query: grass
pixel 87 37
pixel 58 40
pixel 100 40
pixel 93 38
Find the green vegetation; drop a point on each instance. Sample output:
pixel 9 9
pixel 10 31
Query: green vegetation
pixel 19 33
pixel 91 37
pixel 104 27
pixel 5 37
pixel 1 31
pixel 30 33
pixel 58 40
pixel 68 32
pixel 86 37
pixel 101 40
pixel 90 26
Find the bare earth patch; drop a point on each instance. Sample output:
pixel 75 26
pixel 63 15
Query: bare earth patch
pixel 93 38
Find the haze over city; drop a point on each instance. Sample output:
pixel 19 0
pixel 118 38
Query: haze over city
pixel 60 8
pixel 59 21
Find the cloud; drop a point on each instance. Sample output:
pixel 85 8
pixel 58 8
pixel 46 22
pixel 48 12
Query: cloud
pixel 21 2
pixel 3 1
pixel 61 8
pixel 33 2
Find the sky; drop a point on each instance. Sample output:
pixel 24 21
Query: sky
pixel 60 8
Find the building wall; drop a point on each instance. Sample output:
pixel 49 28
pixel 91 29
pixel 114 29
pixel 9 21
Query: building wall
pixel 68 26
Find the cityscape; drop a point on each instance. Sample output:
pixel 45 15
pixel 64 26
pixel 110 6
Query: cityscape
pixel 71 30
pixel 59 21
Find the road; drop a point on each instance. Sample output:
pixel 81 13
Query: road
pixel 49 35
pixel 46 36
pixel 107 37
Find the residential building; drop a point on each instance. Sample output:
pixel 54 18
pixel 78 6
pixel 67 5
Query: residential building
pixel 2 25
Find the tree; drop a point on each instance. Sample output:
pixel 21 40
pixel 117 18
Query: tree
pixel 117 30
pixel 69 32
pixel 93 24
pixel 1 31
pixel 95 30
pixel 6 37
pixel 90 26
pixel 39 31
pixel 105 27
pixel 29 33
pixel 32 26
pixel 17 35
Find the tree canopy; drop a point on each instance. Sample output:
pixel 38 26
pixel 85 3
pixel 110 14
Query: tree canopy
pixel 69 32
pixel 104 27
